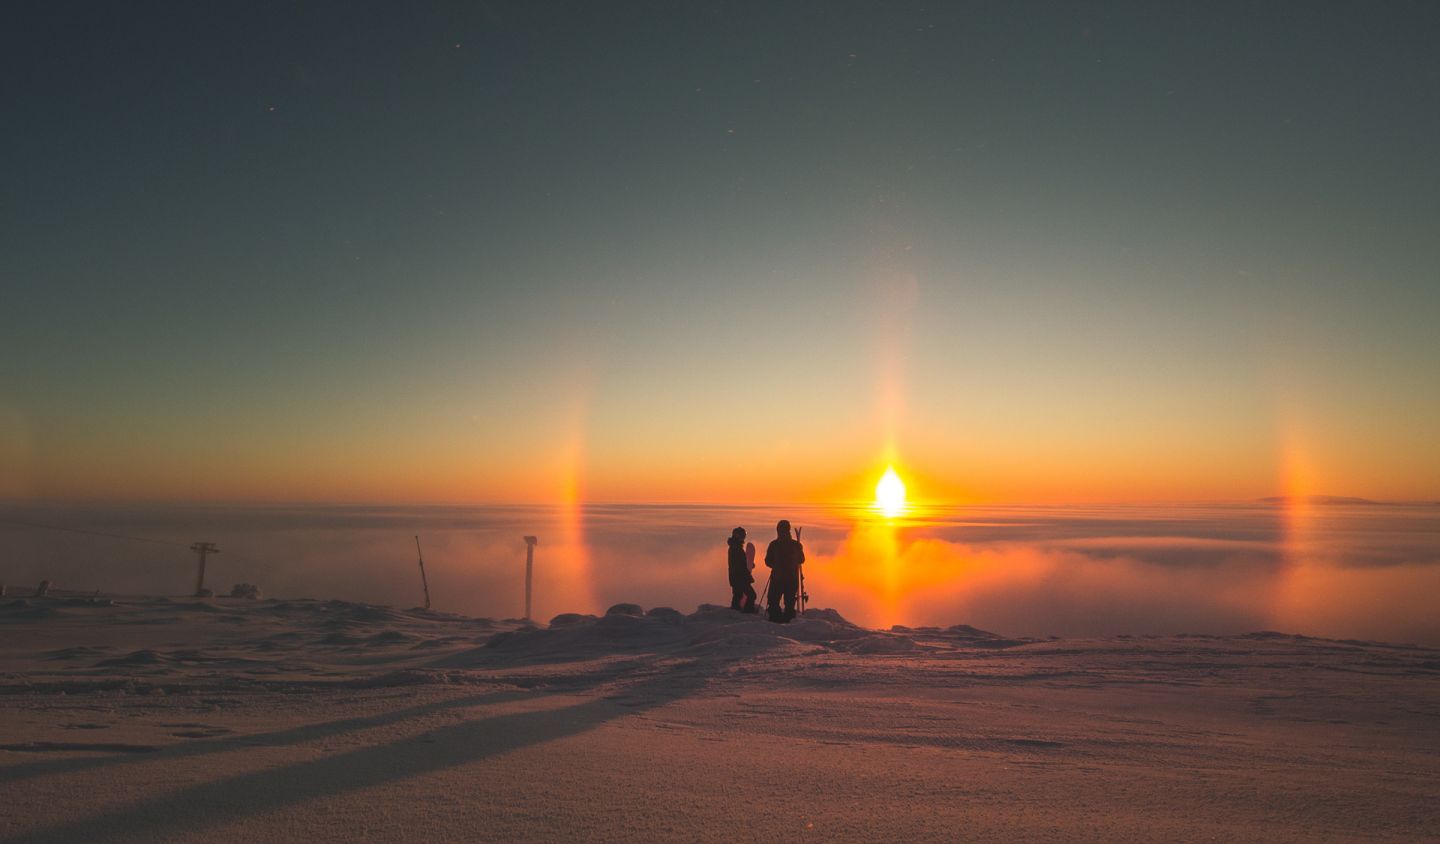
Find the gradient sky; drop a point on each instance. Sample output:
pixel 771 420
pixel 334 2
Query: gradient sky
pixel 719 251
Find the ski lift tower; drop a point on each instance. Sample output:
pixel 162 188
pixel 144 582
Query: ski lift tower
pixel 202 549
pixel 530 542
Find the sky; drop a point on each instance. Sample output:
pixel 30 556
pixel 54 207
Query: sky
pixel 719 252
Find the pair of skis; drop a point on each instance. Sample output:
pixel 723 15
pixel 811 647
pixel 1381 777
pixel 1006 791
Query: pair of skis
pixel 804 597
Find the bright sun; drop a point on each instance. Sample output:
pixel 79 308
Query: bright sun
pixel 890 494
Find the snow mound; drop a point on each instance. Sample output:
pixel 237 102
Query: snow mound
pixel 630 629
pixel 669 615
pixel 23 610
pixel 881 643
pixel 565 619
pixel 962 635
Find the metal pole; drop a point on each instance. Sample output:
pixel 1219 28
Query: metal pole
pixel 202 548
pixel 529 571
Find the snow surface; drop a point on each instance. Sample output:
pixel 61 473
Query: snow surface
pixel 133 719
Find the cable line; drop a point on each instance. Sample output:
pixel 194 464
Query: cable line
pixel 93 533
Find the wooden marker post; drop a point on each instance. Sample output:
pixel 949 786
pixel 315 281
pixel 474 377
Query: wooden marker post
pixel 424 583
pixel 530 542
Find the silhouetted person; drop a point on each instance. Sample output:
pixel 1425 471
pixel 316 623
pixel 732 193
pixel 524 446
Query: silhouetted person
pixel 784 557
pixel 742 594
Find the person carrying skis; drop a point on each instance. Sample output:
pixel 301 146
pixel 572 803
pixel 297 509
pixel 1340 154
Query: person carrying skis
pixel 784 557
pixel 742 594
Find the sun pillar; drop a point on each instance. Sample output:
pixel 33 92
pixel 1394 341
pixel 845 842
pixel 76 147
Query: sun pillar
pixel 568 576
pixel 1294 580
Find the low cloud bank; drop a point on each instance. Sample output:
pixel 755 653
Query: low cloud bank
pixel 1346 572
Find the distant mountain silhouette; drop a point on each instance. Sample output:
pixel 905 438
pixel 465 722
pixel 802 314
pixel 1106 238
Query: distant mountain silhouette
pixel 1317 499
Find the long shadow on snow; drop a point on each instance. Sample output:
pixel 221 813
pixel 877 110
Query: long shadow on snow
pixel 308 732
pixel 248 795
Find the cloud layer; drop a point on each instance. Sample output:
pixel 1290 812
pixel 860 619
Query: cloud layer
pixel 1347 572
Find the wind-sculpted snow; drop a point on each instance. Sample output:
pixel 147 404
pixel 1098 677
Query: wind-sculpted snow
pixel 161 645
pixel 710 630
pixel 181 644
